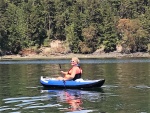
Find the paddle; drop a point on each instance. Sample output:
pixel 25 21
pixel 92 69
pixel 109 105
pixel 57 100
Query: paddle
pixel 63 80
pixel 60 66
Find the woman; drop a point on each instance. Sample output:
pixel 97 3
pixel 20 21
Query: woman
pixel 74 73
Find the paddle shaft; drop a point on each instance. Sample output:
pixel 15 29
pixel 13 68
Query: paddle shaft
pixel 63 80
pixel 60 66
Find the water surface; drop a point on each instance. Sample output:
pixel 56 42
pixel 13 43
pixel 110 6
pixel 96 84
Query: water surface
pixel 126 90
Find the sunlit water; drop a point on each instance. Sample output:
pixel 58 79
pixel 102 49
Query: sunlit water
pixel 126 90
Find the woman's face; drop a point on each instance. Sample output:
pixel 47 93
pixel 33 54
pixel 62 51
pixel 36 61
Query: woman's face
pixel 73 62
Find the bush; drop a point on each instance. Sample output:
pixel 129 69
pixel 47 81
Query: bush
pixel 84 48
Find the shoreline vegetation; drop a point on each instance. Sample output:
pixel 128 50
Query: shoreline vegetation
pixel 70 55
pixel 74 26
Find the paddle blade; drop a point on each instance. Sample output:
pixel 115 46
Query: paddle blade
pixel 59 66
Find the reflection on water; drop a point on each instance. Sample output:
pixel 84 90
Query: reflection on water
pixel 74 98
pixel 64 100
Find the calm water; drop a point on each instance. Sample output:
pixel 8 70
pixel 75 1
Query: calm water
pixel 126 90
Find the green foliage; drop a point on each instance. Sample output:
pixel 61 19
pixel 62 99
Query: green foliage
pixel 134 36
pixel 89 43
pixel 16 28
pixel 72 38
pixel 85 25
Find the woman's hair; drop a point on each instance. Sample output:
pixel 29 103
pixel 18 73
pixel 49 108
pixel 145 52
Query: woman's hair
pixel 76 59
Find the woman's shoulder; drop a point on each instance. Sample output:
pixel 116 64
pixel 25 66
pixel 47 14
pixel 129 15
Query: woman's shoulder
pixel 75 68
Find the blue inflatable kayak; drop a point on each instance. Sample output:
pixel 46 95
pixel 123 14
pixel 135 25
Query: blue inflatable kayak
pixel 79 83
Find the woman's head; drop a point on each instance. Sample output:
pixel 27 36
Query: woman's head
pixel 75 60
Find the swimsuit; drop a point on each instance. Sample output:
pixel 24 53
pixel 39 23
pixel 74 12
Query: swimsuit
pixel 77 76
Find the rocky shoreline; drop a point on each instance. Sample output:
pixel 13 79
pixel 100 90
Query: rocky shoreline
pixel 70 55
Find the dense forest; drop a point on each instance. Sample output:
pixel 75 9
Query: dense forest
pixel 84 25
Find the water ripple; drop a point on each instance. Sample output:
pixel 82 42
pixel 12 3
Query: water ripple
pixel 42 106
pixel 141 87
pixel 51 98
pixel 14 104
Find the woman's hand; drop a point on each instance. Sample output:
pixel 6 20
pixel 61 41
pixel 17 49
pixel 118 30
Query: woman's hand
pixel 64 73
